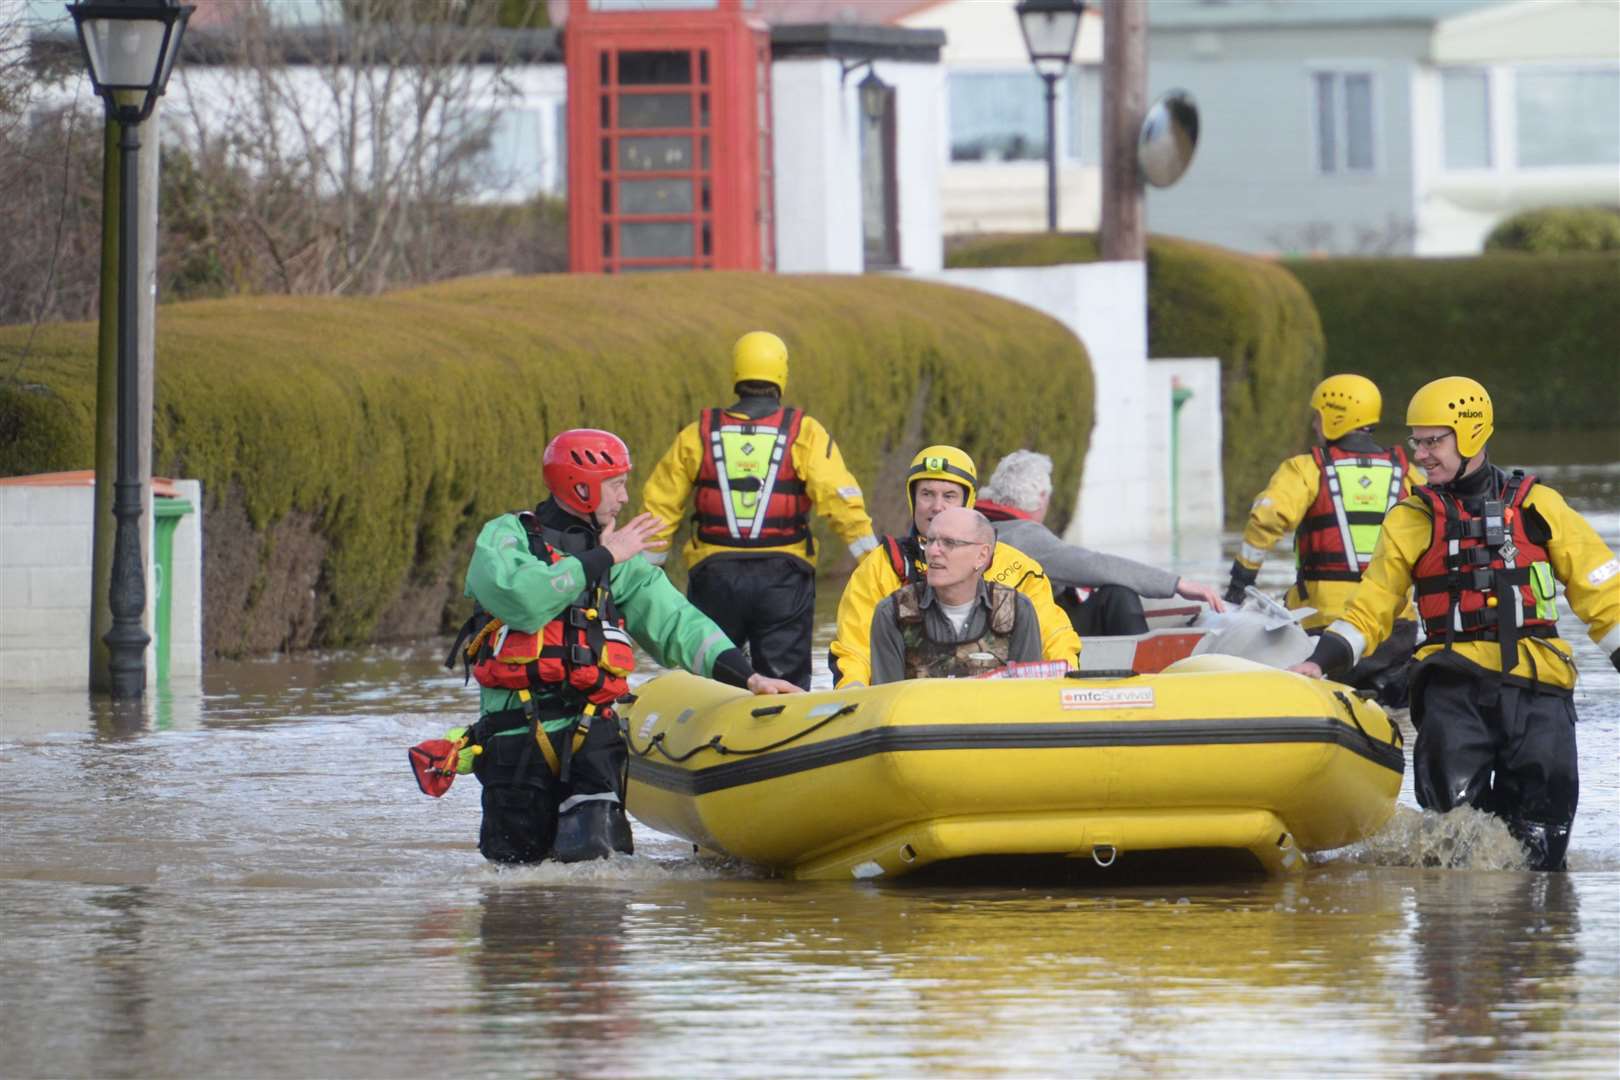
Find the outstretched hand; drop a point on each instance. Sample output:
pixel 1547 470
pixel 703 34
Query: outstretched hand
pixel 635 536
pixel 1197 590
pixel 764 684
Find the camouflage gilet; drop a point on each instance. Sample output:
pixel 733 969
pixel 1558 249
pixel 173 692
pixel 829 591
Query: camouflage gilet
pixel 927 659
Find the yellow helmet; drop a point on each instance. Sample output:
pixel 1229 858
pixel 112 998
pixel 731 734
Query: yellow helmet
pixel 759 356
pixel 1345 403
pixel 1459 403
pixel 942 463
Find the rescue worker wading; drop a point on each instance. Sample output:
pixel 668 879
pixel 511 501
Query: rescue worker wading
pixel 758 468
pixel 560 595
pixel 1333 500
pixel 940 477
pixel 1492 695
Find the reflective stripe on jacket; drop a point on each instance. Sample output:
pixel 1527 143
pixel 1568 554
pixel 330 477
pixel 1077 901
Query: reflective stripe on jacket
pixel 1277 512
pixel 816 464
pixel 1335 539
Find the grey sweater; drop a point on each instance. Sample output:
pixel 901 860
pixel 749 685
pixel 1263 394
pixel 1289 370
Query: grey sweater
pixel 1068 566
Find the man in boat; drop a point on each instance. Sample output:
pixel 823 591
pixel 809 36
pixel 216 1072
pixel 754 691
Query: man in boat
pixel 1492 695
pixel 1016 500
pixel 1333 500
pixel 561 591
pixel 758 468
pixel 953 624
pixel 940 477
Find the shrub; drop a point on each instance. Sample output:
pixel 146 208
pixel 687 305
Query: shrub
pixel 1558 230
pixel 1540 332
pixel 351 448
pixel 1205 301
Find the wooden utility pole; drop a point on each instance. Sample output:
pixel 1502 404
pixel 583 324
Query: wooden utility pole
pixel 1124 106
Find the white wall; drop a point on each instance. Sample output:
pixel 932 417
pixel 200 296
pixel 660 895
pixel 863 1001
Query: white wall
pixel 206 103
pixel 45 566
pixel 816 134
pixel 1530 30
pixel 1122 502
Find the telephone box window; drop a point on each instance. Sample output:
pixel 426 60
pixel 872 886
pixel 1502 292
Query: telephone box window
pixel 655 111
pixel 654 68
pixel 656 239
pixel 655 196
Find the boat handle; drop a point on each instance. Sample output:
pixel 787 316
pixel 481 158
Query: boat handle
pixel 1395 736
pixel 767 710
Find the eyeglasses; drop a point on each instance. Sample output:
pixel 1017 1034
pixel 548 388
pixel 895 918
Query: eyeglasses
pixel 949 543
pixel 1433 442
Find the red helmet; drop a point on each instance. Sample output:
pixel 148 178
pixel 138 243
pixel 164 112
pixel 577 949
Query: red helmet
pixel 577 461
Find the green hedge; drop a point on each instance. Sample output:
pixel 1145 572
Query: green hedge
pixel 1540 332
pixel 1558 230
pixel 350 448
pixel 1206 301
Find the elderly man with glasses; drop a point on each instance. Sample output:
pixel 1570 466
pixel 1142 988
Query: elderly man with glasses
pixel 954 623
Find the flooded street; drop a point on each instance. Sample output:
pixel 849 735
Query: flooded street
pixel 242 879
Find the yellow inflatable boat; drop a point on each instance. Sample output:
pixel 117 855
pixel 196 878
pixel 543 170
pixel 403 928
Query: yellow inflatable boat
pixel 1213 753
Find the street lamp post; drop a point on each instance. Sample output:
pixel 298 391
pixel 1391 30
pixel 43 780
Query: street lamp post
pixel 129 48
pixel 1050 28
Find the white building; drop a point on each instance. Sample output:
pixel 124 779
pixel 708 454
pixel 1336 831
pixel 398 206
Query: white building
pixel 1407 127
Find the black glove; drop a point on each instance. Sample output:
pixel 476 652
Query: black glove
pixel 1242 578
pixel 1614 658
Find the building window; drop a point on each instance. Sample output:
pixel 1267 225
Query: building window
pixel 997 117
pixel 1466 95
pixel 1344 122
pixel 509 163
pixel 880 228
pixel 1567 116
pixel 1084 137
pixel 559 141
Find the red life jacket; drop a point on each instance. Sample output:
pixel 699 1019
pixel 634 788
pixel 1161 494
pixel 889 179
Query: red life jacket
pixel 1482 575
pixel 748 494
pixel 584 654
pixel 1334 542
pixel 905 558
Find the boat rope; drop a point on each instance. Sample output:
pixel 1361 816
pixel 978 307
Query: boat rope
pixel 1395 736
pixel 717 744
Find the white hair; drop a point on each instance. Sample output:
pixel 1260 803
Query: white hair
pixel 1021 480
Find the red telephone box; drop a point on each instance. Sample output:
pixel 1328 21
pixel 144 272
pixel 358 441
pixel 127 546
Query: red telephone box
pixel 669 137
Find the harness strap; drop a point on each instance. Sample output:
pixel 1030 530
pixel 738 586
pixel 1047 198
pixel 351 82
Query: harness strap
pixel 753 483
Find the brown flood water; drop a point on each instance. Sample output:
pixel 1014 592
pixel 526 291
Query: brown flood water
pixel 242 880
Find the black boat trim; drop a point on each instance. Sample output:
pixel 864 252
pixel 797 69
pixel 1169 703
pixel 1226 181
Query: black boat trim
pixel 887 740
